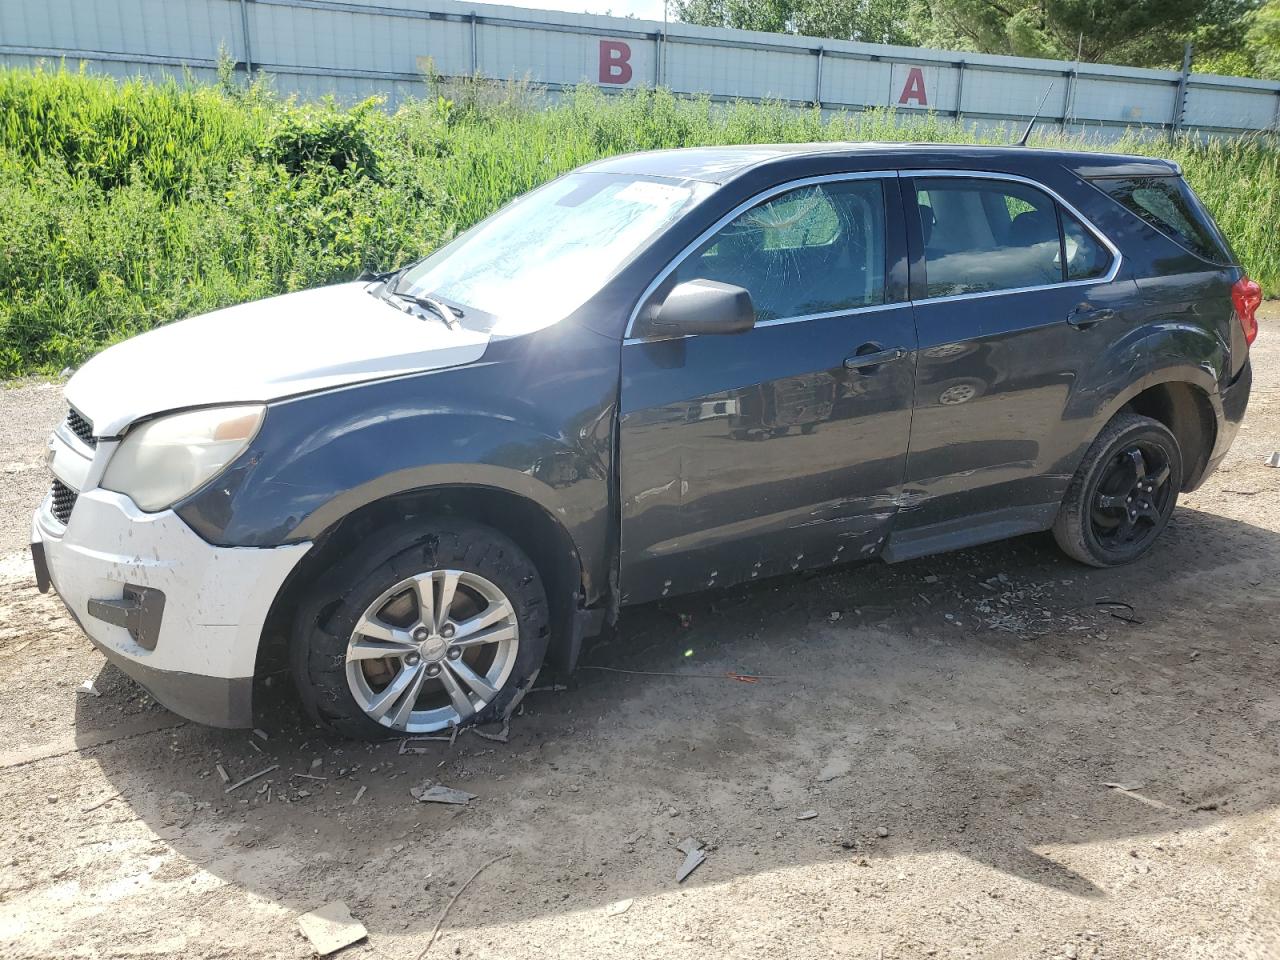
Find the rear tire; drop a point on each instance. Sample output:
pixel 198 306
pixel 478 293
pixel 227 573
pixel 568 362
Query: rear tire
pixel 440 624
pixel 1123 493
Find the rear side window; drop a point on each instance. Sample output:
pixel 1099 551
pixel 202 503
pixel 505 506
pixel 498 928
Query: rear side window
pixel 1168 204
pixel 986 235
pixel 1087 259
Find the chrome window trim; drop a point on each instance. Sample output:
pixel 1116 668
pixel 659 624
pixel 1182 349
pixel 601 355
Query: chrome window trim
pixel 746 205
pixel 1116 257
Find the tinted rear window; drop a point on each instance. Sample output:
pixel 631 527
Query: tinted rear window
pixel 1168 204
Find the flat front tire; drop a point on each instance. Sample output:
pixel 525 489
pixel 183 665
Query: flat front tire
pixel 1123 493
pixel 439 626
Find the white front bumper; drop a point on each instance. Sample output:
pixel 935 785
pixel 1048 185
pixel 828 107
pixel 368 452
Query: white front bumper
pixel 216 599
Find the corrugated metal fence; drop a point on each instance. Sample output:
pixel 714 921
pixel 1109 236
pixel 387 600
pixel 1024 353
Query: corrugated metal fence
pixel 354 48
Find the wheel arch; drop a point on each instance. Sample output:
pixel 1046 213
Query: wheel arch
pixel 533 527
pixel 1182 400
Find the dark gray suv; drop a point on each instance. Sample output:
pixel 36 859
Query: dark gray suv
pixel 657 374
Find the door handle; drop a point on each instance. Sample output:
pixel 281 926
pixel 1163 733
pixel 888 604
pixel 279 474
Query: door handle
pixel 860 361
pixel 1087 315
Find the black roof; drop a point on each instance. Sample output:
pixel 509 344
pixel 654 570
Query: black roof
pixel 722 164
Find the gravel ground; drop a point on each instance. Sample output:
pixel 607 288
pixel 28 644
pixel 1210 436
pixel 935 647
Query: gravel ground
pixel 29 410
pixel 928 777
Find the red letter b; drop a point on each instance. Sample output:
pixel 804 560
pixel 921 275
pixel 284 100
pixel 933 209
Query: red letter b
pixel 614 65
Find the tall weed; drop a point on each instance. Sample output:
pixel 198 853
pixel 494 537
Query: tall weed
pixel 129 204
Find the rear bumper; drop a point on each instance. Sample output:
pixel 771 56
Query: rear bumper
pixel 180 616
pixel 1235 400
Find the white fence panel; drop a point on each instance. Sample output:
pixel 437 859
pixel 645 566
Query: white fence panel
pixel 355 48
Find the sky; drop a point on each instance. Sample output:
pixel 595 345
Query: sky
pixel 644 9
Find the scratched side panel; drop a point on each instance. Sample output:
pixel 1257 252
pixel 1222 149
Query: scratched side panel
pixel 751 455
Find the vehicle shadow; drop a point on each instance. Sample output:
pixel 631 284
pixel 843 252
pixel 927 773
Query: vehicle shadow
pixel 974 705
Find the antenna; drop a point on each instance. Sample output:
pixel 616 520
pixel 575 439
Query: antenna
pixel 1034 117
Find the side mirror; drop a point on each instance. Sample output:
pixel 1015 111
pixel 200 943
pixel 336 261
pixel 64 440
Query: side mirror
pixel 702 306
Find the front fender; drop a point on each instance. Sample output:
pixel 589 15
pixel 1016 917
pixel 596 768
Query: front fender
pixel 539 431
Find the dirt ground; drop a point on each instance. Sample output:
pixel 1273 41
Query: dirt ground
pixel 952 722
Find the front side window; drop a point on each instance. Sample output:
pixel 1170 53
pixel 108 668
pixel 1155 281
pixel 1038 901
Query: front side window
pixel 814 250
pixel 543 256
pixel 985 235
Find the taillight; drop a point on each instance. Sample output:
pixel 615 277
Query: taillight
pixel 1247 297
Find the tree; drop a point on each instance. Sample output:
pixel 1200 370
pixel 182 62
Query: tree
pixel 1262 40
pixel 1140 32
pixel 871 21
pixel 1238 37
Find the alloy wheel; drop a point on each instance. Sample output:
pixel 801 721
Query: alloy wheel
pixel 432 651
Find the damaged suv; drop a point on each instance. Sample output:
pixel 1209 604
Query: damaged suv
pixel 657 374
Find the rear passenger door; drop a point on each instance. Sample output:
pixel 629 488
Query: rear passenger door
pixel 1013 292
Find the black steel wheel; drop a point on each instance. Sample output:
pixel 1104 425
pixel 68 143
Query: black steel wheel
pixel 1123 493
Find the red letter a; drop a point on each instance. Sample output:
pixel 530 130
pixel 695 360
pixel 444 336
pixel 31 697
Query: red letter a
pixel 913 89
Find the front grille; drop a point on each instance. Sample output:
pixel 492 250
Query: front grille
pixel 64 501
pixel 81 427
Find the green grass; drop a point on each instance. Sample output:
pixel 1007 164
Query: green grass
pixel 128 204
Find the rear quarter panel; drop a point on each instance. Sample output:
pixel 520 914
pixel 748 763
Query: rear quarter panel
pixel 1176 326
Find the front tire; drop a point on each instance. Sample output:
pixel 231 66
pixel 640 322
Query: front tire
pixel 1123 493
pixel 438 626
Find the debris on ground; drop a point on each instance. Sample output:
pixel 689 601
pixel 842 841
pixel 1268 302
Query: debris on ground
pixel 406 749
pixel 87 686
pixel 222 773
pixel 618 908
pixel 435 931
pixel 1131 790
pixel 430 792
pixel 834 616
pixel 502 736
pixel 359 794
pixel 1273 460
pixel 693 858
pixel 730 674
pixel 1118 609
pixel 331 928
pixel 806 814
pixel 882 832
pixel 177 809
pixel 252 777
pixel 100 803
pixel 260 734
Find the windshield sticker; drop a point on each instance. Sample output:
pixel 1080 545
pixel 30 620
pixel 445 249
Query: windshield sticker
pixel 653 194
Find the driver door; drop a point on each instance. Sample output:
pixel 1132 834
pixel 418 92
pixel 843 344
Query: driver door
pixel 777 449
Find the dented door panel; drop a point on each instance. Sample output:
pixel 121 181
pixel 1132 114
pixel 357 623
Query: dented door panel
pixel 752 455
pixel 995 381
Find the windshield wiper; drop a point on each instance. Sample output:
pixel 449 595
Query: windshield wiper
pixel 447 313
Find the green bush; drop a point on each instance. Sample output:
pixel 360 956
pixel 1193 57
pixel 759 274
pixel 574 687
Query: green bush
pixel 129 204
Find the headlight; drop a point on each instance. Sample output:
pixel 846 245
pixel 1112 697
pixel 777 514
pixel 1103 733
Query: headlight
pixel 161 461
